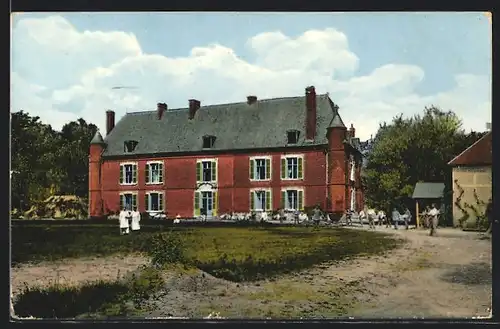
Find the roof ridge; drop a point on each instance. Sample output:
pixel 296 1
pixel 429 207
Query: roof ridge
pixel 224 104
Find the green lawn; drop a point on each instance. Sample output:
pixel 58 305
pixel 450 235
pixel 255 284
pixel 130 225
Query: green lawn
pixel 233 253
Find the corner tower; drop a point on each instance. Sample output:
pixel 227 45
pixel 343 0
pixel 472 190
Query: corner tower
pixel 337 163
pixel 95 198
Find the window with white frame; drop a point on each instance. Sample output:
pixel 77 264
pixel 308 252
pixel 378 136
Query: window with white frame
pixel 128 200
pixel 260 168
pixel 206 171
pixel 128 173
pixel 292 167
pixel 261 200
pixel 154 172
pixel 292 199
pixel 154 201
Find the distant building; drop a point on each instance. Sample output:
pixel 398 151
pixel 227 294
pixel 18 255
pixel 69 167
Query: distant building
pixel 266 154
pixel 471 173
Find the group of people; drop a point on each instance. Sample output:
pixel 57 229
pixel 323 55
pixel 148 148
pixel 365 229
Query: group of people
pixel 129 220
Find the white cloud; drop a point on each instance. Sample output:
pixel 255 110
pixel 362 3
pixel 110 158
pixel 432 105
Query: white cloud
pixel 60 73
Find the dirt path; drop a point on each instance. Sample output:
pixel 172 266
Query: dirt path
pixel 444 276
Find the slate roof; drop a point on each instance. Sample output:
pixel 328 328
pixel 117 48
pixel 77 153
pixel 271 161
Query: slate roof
pixel 235 126
pixel 477 154
pixel 428 191
pixel 97 139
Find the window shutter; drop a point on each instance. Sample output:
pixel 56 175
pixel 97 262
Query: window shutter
pixel 252 200
pixel 122 169
pixel 283 168
pixel 197 203
pixel 160 168
pixel 215 203
pixel 268 200
pixel 147 173
pixel 134 202
pixel 300 201
pixel 214 171
pixel 134 174
pixel 146 202
pixel 160 201
pixel 198 171
pixel 300 168
pixel 283 199
pixel 122 201
pixel 268 168
pixel 252 169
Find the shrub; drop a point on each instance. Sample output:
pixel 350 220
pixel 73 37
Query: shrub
pixel 166 248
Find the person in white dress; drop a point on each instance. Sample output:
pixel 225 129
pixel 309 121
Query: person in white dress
pixel 136 218
pixel 124 225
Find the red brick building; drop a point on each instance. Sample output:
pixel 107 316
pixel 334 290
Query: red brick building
pixel 260 154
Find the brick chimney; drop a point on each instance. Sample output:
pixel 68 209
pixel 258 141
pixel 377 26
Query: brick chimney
pixel 160 108
pixel 194 106
pixel 310 113
pixel 251 100
pixel 352 131
pixel 110 121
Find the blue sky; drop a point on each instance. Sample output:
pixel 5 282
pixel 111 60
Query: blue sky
pixel 374 65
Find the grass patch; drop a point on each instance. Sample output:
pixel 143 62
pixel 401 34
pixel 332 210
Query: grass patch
pixel 233 253
pixel 92 299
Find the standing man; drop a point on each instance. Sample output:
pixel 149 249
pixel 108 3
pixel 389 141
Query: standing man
pixel 407 218
pixel 124 225
pixel 136 218
pixel 433 219
pixel 316 215
pixel 395 217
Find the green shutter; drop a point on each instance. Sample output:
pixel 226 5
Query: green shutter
pixel 134 174
pixel 252 200
pixel 283 168
pixel 214 171
pixel 300 200
pixel 198 171
pixel 134 202
pixel 215 203
pixel 160 201
pixel 268 168
pixel 300 169
pixel 122 198
pixel 268 200
pixel 252 169
pixel 197 203
pixel 147 173
pixel 122 169
pixel 160 168
pixel 283 199
pixel 146 201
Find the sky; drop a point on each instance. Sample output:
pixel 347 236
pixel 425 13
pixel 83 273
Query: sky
pixel 374 66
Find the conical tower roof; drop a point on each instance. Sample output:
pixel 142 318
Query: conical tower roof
pixel 97 139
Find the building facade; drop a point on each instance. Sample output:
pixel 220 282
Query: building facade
pixel 471 175
pixel 289 153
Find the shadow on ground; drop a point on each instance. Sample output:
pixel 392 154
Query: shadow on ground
pixel 471 274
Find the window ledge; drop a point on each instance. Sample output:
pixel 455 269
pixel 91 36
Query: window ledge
pixel 290 179
pixel 160 183
pixel 128 184
pixel 260 180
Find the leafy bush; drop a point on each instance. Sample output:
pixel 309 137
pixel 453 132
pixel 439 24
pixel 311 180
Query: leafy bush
pixel 166 248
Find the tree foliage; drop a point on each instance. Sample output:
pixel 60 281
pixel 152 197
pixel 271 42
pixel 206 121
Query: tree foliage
pixel 411 150
pixel 46 162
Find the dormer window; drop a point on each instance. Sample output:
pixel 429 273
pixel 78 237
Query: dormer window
pixel 208 141
pixel 129 146
pixel 292 136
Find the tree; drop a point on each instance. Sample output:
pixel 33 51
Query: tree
pixel 46 162
pixel 409 150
